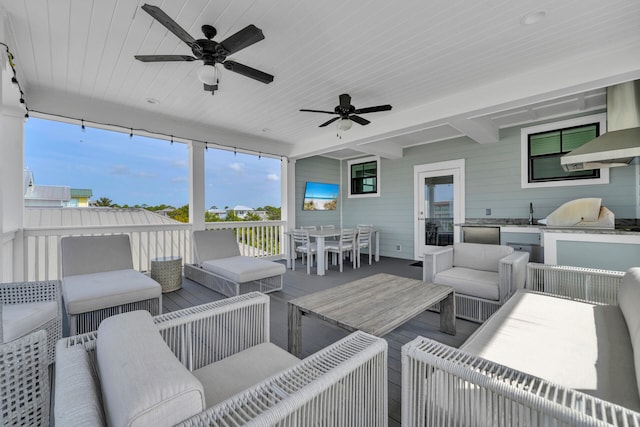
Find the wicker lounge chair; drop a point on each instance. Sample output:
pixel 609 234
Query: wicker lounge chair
pixel 213 365
pixel 98 281
pixel 220 266
pixel 29 306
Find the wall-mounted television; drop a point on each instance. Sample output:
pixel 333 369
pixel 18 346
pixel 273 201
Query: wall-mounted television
pixel 320 196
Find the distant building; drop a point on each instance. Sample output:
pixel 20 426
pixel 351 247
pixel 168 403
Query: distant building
pixel 53 196
pixel 222 214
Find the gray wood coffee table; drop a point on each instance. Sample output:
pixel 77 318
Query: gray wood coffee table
pixel 377 305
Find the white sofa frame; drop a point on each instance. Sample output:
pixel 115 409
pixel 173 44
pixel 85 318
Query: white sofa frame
pixel 224 285
pixel 24 381
pixel 436 376
pixel 343 384
pixel 29 292
pixel 470 307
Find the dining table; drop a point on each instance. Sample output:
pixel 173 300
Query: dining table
pixel 320 237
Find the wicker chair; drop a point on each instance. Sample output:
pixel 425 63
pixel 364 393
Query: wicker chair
pixel 222 344
pixel 24 381
pixel 28 307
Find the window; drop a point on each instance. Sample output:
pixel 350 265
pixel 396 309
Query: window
pixel 544 145
pixel 364 177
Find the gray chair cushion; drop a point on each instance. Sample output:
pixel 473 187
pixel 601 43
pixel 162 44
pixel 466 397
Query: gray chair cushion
pixel 143 383
pixel 241 269
pixel 95 254
pixel 479 256
pixel 89 292
pixel 629 300
pixel 476 283
pixel 242 370
pixel 215 244
pixel 20 319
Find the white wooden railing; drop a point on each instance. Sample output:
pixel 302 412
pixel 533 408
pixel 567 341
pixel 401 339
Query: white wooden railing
pixel 261 239
pixel 41 246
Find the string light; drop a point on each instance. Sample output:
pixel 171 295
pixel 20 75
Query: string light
pixel 83 128
pixel 14 79
pixel 234 151
pixel 26 117
pixel 130 133
pixel 171 139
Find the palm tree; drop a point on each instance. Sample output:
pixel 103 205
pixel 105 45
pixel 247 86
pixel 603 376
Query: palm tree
pixel 104 202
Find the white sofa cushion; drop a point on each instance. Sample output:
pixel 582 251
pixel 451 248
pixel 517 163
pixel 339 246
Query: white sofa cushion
pixel 241 269
pixel 95 291
pixel 19 319
pixel 477 283
pixel 479 256
pixel 581 346
pixel 143 384
pixel 77 394
pixel 242 370
pixel 629 300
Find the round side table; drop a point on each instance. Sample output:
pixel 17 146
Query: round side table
pixel 167 271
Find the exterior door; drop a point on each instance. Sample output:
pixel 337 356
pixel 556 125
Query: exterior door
pixel 439 202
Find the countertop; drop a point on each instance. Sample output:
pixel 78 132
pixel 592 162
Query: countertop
pixel 534 228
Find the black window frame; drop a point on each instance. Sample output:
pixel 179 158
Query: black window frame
pixel 360 180
pixel 579 175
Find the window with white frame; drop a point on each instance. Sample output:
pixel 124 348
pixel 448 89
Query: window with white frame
pixel 364 177
pixel 542 147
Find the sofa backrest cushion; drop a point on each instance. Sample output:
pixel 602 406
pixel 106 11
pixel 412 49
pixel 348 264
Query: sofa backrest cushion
pixel 215 244
pixel 142 382
pixel 95 254
pixel 629 301
pixel 479 256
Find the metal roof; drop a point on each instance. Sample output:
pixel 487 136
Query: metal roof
pixel 87 217
pixel 81 192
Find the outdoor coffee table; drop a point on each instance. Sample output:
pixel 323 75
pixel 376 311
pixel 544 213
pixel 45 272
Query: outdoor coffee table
pixel 377 305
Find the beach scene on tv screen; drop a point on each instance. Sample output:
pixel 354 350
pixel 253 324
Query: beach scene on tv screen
pixel 320 196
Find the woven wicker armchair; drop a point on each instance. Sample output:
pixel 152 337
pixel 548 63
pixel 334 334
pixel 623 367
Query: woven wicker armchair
pixel 38 305
pixel 343 384
pixel 24 381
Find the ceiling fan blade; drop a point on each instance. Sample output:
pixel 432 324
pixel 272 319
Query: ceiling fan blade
pixel 345 102
pixel 373 109
pixel 171 25
pixel 318 111
pixel 236 67
pixel 328 122
pixel 161 58
pixel 359 120
pixel 243 38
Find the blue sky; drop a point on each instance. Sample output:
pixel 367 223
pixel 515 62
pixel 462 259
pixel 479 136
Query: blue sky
pixel 143 170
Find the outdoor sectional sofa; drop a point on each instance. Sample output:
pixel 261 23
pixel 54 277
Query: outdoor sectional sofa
pixel 213 364
pixel 564 351
pixel 220 266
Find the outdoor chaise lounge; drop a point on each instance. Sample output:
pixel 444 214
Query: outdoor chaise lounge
pixel 213 365
pixel 563 352
pixel 220 266
pixel 484 276
pixel 98 281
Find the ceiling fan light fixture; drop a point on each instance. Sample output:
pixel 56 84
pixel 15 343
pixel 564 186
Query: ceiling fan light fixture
pixel 344 124
pixel 208 74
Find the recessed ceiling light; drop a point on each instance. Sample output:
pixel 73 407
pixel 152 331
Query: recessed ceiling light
pixel 533 17
pixel 153 101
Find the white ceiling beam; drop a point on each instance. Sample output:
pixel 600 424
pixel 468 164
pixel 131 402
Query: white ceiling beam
pixel 483 131
pixel 386 150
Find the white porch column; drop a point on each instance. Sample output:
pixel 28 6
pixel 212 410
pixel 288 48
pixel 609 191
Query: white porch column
pixel 11 179
pixel 288 195
pixel 196 184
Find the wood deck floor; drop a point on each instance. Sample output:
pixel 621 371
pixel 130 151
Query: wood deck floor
pixel 317 334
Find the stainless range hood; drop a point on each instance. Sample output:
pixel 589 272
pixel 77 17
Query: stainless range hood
pixel 621 143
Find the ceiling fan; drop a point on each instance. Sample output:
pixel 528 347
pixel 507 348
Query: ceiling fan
pixel 347 113
pixel 209 51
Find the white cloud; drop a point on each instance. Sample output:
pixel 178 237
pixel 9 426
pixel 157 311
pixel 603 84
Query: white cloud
pixel 238 167
pixel 273 177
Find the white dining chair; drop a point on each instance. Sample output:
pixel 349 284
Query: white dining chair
pixel 303 245
pixel 363 240
pixel 346 245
